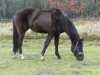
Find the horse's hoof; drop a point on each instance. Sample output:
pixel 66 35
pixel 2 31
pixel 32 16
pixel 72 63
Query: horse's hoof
pixel 42 58
pixel 22 57
pixel 59 57
pixel 12 53
pixel 14 56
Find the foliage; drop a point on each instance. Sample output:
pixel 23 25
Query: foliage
pixel 9 7
pixel 78 8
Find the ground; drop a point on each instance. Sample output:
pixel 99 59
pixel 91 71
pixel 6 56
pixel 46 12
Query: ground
pixel 32 65
pixel 33 44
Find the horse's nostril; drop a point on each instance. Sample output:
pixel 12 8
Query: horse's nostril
pixel 80 56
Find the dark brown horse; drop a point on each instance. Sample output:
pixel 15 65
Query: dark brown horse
pixel 53 22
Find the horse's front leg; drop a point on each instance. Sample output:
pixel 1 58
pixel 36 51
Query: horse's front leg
pixel 48 39
pixel 56 42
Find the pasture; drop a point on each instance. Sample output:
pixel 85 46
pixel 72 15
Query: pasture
pixel 32 65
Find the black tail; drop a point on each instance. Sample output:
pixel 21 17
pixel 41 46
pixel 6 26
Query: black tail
pixel 15 38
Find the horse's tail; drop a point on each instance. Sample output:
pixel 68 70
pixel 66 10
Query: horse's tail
pixel 15 38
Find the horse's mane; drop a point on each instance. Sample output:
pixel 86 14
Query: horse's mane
pixel 73 34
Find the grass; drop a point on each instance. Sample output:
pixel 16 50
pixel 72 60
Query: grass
pixel 33 45
pixel 32 65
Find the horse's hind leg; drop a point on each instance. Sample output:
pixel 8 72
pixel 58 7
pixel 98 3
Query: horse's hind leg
pixel 48 39
pixel 21 32
pixel 15 41
pixel 20 42
pixel 56 42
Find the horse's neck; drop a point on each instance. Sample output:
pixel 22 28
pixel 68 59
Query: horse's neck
pixel 73 35
pixel 70 29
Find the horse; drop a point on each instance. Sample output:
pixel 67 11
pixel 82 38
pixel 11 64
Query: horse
pixel 52 22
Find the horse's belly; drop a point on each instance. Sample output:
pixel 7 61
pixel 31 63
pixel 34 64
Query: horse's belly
pixel 41 27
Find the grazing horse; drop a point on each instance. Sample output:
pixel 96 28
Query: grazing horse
pixel 53 22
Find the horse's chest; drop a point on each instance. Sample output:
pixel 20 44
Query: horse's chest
pixel 58 29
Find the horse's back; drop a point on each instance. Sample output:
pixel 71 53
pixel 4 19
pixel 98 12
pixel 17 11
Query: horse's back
pixel 36 19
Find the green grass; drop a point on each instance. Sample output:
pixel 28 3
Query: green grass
pixel 32 65
pixel 32 47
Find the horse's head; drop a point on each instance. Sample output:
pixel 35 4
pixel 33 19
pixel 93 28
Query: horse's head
pixel 70 29
pixel 77 49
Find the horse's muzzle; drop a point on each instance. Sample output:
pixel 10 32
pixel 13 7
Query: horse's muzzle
pixel 80 56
